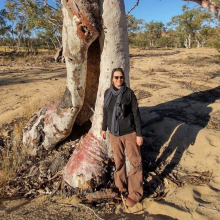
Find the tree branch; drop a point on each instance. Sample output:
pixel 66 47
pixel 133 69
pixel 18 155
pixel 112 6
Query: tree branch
pixel 209 6
pixel 133 7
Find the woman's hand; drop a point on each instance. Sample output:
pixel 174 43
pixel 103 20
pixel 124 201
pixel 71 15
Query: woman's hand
pixel 103 134
pixel 139 141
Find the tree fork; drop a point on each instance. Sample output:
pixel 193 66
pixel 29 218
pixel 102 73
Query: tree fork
pixel 54 123
pixel 86 163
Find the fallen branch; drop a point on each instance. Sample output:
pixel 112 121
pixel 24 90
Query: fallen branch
pixel 122 198
pixel 77 206
pixel 203 207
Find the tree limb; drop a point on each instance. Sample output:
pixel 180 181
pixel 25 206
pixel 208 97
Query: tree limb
pixel 209 6
pixel 133 8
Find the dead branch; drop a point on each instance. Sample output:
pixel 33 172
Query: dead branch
pixel 77 205
pixel 137 2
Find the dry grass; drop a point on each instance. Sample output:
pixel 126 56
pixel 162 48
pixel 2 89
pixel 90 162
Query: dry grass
pixel 198 61
pixel 27 59
pixel 14 153
pixel 160 69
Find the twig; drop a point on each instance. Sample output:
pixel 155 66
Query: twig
pixel 77 205
pixel 57 174
pixel 133 7
pixel 122 198
pixel 203 207
pixel 91 210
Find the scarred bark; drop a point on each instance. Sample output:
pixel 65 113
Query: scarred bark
pixel 92 149
pixel 54 123
pixel 85 89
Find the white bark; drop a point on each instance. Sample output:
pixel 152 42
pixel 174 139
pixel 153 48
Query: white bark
pixel 54 123
pixel 209 6
pixel 86 162
pixel 189 40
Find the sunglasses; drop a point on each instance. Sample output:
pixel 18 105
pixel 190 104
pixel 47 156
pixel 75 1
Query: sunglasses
pixel 117 77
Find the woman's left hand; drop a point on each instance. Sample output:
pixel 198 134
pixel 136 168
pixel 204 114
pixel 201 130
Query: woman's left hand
pixel 139 141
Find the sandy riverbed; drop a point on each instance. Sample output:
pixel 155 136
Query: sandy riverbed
pixel 182 87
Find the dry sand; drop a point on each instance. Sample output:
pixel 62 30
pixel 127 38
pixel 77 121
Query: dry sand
pixel 167 85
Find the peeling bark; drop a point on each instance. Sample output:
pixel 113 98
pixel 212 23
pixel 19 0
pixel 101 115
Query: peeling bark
pixel 80 28
pixel 114 47
pixel 209 6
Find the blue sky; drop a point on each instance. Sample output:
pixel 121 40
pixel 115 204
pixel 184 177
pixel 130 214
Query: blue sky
pixel 156 10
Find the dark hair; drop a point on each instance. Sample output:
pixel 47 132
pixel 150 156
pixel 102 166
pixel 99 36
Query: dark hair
pixel 121 71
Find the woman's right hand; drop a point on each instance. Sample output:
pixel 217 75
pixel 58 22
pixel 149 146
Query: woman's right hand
pixel 103 134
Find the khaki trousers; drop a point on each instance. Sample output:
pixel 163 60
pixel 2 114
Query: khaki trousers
pixel 134 181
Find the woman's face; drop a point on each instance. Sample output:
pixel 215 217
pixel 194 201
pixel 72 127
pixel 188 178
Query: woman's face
pixel 118 79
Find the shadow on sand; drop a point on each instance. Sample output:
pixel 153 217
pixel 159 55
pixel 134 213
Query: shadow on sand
pixel 176 127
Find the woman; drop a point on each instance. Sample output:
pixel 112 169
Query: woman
pixel 122 118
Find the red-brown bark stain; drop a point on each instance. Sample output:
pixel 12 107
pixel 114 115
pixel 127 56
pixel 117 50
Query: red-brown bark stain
pixel 86 30
pixel 89 150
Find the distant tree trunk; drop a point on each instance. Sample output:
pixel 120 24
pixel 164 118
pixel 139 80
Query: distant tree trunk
pixel 58 40
pixel 189 41
pixel 59 54
pixel 18 44
pixel 54 45
pixel 186 43
pixel 48 45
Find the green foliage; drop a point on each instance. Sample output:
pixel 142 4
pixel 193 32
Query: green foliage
pixel 134 25
pixel 29 17
pixel 189 28
pixel 4 27
pixel 190 21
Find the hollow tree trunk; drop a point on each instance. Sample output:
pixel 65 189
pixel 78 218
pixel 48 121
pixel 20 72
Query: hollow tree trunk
pixel 85 86
pixel 86 162
pixel 54 123
pixel 46 128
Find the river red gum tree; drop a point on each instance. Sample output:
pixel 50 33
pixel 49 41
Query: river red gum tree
pixel 94 42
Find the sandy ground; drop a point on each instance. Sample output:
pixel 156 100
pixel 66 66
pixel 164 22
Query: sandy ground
pixel 168 85
pixel 28 88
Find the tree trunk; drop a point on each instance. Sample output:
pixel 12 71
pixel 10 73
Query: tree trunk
pixel 189 41
pixel 87 79
pixel 86 162
pixel 18 44
pixel 54 123
pixel 186 43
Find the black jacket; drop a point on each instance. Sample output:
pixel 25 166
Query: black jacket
pixel 131 121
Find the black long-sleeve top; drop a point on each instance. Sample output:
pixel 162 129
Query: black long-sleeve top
pixel 131 121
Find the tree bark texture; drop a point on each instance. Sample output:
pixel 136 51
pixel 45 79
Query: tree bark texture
pixel 86 164
pixel 209 6
pixel 54 123
pixel 93 30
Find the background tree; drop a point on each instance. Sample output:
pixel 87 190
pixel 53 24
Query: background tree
pixel 33 17
pixel 189 23
pixel 4 27
pixel 153 31
pixel 134 26
pixel 203 35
